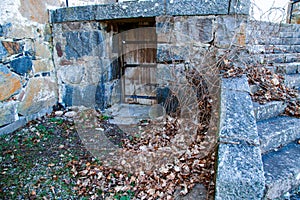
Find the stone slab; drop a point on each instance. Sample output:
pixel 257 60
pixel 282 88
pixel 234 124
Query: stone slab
pixel 13 126
pixel 240 172
pixel 240 7
pixel 40 94
pixel 197 7
pixel 282 170
pixel 268 110
pixel 10 83
pixel 277 132
pixel 138 9
pixel 237 123
pixel 22 65
pixel 109 11
pixel 7 113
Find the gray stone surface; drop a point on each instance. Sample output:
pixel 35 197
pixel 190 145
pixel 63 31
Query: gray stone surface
pixel 22 65
pixel 170 53
pixel 71 74
pixel 268 110
pixel 197 7
pixel 3 51
pixel 236 84
pixel 230 30
pixel 293 81
pixel 240 171
pixel 239 7
pixel 8 113
pixel 277 132
pixel 13 126
pixel 194 29
pixel 282 170
pixel 198 192
pixel 84 96
pixel 84 43
pixel 237 119
pixel 136 9
pixel 10 83
pixel 40 96
pixel 288 68
pixel 109 11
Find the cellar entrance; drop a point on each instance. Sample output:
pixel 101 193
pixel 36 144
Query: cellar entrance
pixel 137 49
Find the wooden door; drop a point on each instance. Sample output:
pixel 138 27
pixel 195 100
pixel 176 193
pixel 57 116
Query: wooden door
pixel 138 47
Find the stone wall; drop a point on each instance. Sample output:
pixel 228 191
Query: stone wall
pixel 87 67
pixel 85 70
pixel 27 75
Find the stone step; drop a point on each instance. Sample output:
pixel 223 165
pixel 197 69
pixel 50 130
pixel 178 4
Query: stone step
pixel 282 170
pixel 274 48
pixel 273 40
pixel 277 132
pixel 268 110
pixel 270 59
pixel 293 81
pixel 285 68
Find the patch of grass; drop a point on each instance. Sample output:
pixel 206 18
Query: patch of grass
pixel 105 117
pixel 58 121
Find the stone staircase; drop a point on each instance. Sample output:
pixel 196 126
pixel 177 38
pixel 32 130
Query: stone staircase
pixel 279 135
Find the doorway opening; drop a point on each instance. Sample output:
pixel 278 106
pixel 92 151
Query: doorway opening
pixel 137 53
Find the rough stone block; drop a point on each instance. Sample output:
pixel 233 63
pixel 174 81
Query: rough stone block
pixel 71 74
pixel 240 172
pixel 13 47
pixel 44 65
pixel 230 30
pixel 83 13
pixel 67 95
pixel 10 83
pixel 4 29
pixel 3 52
pixel 236 84
pixel 8 113
pixel 13 126
pixel 193 29
pixel 282 171
pixel 171 53
pixel 269 110
pixel 239 7
pixel 84 44
pixel 84 96
pixel 167 74
pixel 109 11
pixel 40 94
pixel 277 132
pixel 42 50
pixel 239 122
pixel 197 7
pixel 21 65
pixel 131 10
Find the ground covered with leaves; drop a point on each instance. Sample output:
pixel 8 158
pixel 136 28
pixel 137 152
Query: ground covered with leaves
pixel 47 160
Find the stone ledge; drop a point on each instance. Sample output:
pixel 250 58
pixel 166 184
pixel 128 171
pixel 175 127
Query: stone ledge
pixel 240 170
pixel 151 8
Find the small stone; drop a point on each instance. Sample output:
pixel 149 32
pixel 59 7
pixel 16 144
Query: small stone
pixel 70 114
pixel 58 113
pixel 100 129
